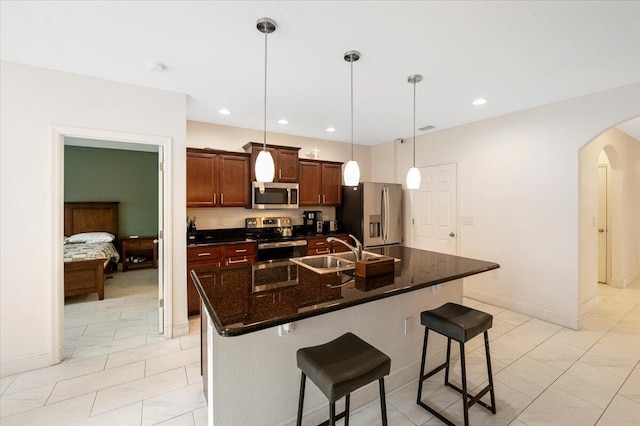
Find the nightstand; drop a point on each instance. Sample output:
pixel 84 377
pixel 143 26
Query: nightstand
pixel 139 252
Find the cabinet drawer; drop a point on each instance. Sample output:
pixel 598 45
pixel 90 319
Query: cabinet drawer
pixel 239 260
pixel 204 253
pixel 317 243
pixel 234 250
pixel 139 244
pixel 313 252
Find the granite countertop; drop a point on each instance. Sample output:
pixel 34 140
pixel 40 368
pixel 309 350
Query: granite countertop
pixel 241 299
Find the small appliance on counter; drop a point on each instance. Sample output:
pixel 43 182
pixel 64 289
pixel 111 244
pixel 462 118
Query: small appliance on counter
pixel 312 220
pixel 191 230
pixel 330 226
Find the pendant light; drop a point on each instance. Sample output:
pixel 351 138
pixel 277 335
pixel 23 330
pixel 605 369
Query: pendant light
pixel 351 169
pixel 413 177
pixel 265 168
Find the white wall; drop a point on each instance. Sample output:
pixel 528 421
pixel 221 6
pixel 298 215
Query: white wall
pixel 623 153
pixel 206 135
pixel 518 178
pixel 32 101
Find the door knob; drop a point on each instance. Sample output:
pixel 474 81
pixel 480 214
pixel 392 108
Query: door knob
pixel 600 230
pixel 451 234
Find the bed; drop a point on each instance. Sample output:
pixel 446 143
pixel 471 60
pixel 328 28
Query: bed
pixel 87 257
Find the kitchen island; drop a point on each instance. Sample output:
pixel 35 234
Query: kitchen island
pixel 249 358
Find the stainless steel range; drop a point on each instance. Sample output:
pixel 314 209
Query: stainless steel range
pixel 275 238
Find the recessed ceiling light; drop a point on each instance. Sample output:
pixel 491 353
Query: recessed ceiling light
pixel 224 111
pixel 283 121
pixel 479 101
pixel 157 67
pixel 330 129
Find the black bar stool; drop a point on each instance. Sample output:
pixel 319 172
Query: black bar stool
pixel 338 368
pixel 461 324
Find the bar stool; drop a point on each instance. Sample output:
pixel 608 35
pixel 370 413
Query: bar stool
pixel 338 368
pixel 461 324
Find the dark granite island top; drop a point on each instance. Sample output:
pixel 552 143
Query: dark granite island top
pixel 247 298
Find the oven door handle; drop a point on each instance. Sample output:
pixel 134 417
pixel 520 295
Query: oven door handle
pixel 282 244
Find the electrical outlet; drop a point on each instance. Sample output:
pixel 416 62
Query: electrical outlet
pixel 408 325
pixel 494 274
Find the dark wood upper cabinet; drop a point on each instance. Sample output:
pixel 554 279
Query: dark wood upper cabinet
pixel 217 178
pixel 285 159
pixel 320 183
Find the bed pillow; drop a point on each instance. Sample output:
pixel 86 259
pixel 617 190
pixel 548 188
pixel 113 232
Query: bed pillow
pixel 91 237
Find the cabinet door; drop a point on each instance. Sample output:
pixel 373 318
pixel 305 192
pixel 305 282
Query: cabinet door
pixel 193 298
pixel 234 181
pixel 201 170
pixel 331 184
pixel 230 297
pixel 287 165
pixel 310 183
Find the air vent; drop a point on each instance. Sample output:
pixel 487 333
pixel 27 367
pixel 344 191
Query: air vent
pixel 425 128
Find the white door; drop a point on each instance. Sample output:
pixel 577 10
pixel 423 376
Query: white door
pixel 602 224
pixel 436 211
pixel 160 240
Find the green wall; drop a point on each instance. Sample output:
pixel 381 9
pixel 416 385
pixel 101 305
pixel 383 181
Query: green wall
pixel 130 177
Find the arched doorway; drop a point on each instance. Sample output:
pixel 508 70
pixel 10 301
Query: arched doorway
pixel 615 238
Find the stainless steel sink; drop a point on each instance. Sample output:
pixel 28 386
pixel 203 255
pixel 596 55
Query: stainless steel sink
pixel 324 264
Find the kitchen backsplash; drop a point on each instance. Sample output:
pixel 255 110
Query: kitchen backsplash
pixel 222 218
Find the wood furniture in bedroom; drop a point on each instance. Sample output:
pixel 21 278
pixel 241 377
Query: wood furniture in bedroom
pixel 87 276
pixel 137 248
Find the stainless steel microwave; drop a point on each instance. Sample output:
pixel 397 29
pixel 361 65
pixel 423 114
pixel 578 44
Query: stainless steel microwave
pixel 274 195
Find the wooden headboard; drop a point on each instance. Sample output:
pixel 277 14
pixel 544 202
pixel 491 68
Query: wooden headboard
pixel 91 217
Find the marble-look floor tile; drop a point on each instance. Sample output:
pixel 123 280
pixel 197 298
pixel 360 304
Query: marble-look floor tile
pixel 508 348
pixel 370 415
pixel 470 302
pixel 95 319
pixel 62 413
pixel 529 376
pixel 559 408
pixel 621 412
pixel 183 420
pixel 191 340
pixel 490 309
pixel 74 331
pixel 589 383
pixel 108 347
pixel 5 382
pixel 127 415
pixel 404 400
pixel 172 360
pixel 517 422
pixel 476 366
pixel 556 354
pixel 631 387
pixel 595 322
pixel 200 416
pixel 193 373
pixel 90 340
pixel 534 331
pixel 618 362
pixel 511 317
pixel 56 373
pixel 499 328
pixel 114 325
pixel 138 390
pixel 143 352
pixel 97 381
pixel 172 404
pixel 582 339
pixel 24 400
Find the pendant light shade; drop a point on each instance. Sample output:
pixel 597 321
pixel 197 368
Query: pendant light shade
pixel 351 174
pixel 413 177
pixel 265 167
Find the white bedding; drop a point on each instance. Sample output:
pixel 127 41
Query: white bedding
pixel 83 251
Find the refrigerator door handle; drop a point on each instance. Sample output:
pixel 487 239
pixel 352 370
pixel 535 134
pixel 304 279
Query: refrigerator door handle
pixel 387 214
pixel 383 212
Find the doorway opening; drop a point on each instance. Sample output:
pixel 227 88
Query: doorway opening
pixel 604 243
pixel 143 288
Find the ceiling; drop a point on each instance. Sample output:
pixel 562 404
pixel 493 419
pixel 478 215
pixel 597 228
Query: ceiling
pixel 517 55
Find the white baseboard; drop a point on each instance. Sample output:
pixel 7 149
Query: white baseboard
pixel 33 362
pixel 532 311
pixel 180 330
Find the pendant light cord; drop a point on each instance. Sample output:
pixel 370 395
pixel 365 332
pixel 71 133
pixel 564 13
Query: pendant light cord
pixel 352 109
pixel 264 138
pixel 414 123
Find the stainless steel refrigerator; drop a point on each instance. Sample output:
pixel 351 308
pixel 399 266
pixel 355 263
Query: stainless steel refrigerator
pixel 372 212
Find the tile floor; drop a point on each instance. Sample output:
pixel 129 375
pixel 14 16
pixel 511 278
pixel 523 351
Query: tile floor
pixel 119 371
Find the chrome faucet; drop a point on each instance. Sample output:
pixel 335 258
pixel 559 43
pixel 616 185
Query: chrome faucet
pixel 357 250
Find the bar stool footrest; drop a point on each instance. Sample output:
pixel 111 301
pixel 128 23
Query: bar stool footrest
pixel 338 417
pixel 435 413
pixel 434 371
pixel 473 399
